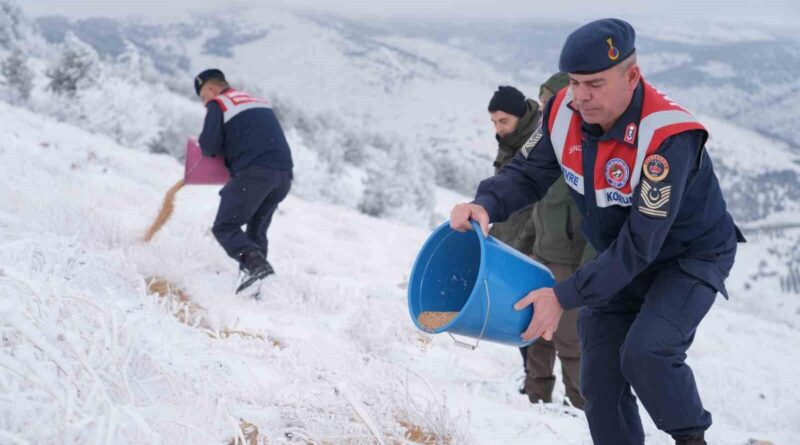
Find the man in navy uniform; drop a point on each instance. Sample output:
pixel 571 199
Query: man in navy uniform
pixel 244 130
pixel 652 207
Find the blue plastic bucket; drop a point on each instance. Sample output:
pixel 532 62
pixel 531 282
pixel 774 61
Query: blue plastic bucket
pixel 480 278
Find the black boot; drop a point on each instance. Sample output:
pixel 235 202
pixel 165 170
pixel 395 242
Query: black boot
pixel 692 439
pixel 254 267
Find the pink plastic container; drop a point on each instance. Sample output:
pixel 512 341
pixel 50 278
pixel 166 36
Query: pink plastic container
pixel 201 169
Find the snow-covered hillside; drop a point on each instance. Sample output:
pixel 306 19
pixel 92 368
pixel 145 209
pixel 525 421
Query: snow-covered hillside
pixel 360 105
pixel 91 354
pixel 105 339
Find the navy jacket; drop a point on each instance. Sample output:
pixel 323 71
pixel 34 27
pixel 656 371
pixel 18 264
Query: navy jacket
pixel 245 131
pixel 698 232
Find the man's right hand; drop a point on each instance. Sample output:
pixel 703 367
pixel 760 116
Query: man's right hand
pixel 462 213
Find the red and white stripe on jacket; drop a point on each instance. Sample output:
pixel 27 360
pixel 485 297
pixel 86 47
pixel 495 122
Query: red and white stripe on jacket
pixel 660 119
pixel 233 102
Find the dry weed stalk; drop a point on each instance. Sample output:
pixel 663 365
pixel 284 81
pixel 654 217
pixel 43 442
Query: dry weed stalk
pixel 418 435
pixel 192 314
pixel 248 434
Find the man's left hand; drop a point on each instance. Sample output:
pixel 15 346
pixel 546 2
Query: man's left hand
pixel 546 313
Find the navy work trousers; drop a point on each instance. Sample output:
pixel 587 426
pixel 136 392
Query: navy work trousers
pixel 639 340
pixel 249 198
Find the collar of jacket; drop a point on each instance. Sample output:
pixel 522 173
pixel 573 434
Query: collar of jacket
pixel 632 114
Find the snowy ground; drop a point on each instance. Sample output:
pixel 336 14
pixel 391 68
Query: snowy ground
pixel 329 356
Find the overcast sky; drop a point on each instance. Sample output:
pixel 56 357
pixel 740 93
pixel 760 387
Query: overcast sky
pixel 785 12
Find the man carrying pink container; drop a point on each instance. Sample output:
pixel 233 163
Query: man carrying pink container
pixel 244 132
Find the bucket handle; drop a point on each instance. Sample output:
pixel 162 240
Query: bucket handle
pixel 189 170
pixel 470 346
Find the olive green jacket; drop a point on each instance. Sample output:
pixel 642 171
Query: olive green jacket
pixel 511 231
pixel 556 224
pixel 551 229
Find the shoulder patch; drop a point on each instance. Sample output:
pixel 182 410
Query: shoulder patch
pixel 654 198
pixel 532 141
pixel 656 168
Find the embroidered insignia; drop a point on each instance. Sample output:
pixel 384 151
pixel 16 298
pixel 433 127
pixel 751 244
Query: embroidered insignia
pixel 613 53
pixel 532 141
pixel 654 199
pixel 617 172
pixel 630 133
pixel 656 168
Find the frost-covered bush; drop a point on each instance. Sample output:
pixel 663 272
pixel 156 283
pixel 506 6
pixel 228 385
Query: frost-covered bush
pixel 77 68
pixel 11 24
pixel 17 77
pixel 399 183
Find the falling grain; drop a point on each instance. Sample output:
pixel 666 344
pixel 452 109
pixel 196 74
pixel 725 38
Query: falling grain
pixel 166 211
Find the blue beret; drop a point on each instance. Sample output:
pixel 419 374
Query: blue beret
pixel 597 46
pixel 211 73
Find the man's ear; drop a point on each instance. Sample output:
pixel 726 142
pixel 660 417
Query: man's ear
pixel 633 76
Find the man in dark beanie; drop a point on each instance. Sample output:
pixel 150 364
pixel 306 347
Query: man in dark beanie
pixel 638 169
pixel 548 232
pixel 514 118
pixel 511 101
pixel 244 130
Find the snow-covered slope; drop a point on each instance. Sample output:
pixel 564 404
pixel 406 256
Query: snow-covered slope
pixel 353 107
pixel 90 355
